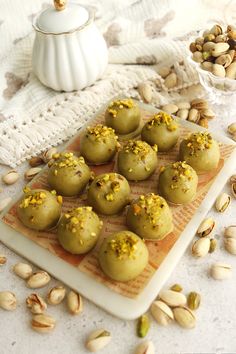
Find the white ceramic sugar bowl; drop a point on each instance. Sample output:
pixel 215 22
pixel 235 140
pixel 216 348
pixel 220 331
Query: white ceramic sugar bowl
pixel 69 52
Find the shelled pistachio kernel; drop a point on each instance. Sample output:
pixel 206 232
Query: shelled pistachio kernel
pixel 3 259
pixel 206 227
pixel 222 202
pixel 184 317
pixel 98 340
pixel 193 300
pixel 43 323
pixel 56 295
pixel 8 300
pixel 38 279
pixel 143 326
pixel 213 245
pixel 176 287
pixel 36 304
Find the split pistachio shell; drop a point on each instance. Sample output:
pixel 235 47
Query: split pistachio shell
pixel 145 91
pixel 10 177
pixel 230 232
pixel 143 326
pixel 172 298
pixel 74 303
pixel 184 317
pixel 231 71
pixel 48 154
pixel 98 339
pixel 207 113
pixel 164 71
pixel 199 104
pixel 32 172
pixel 43 323
pixel 219 49
pixel 222 202
pixel 38 280
pixel 170 108
pixel 182 113
pixel 232 128
pixel 7 300
pixel 4 203
pixel 193 115
pixel 207 65
pixel 197 56
pixel 218 70
pixel 146 347
pixel 183 105
pixel 36 304
pixel 193 300
pixel 200 248
pixel 213 245
pixel 206 227
pixel 224 60
pixel 3 259
pixel 23 270
pixel 171 80
pixel 162 313
pixel 221 271
pixel 233 188
pixel 36 161
pixel 233 179
pixel 56 295
pixel 230 245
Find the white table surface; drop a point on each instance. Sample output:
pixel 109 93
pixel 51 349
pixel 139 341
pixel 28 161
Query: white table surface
pixel 215 331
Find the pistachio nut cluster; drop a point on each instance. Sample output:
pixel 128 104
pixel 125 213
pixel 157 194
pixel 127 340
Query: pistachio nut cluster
pixel 215 51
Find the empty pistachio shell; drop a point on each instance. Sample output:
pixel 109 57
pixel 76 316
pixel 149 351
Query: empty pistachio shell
pixel 176 287
pixel 43 323
pixel 232 128
pixel 143 326
pixel 3 259
pixel 231 71
pixel 184 317
pixel 23 270
pixel 171 80
pixel 199 104
pixel 38 279
pixel 219 49
pixel 172 298
pixel 200 248
pixel 145 91
pixel 193 300
pixel 36 304
pixel 170 108
pixel 98 339
pixel 74 303
pixel 216 30
pixel 10 177
pixel 162 313
pixel 222 202
pixel 32 172
pixel 182 113
pixel 56 295
pixel 221 271
pixel 48 154
pixel 213 245
pixel 218 70
pixel 230 231
pixel 193 115
pixel 36 161
pixel 164 71
pixel 230 245
pixel 7 300
pixel 206 227
pixel 146 347
pixel 4 203
pixel 207 113
pixel 183 105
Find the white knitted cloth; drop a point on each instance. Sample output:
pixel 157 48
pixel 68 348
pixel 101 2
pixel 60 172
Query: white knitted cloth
pixel 33 117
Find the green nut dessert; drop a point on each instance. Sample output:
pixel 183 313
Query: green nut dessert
pixel 78 230
pixel 39 209
pixel 137 160
pixel 161 130
pixel 178 183
pixel 150 217
pixel 109 193
pixel 123 256
pixel 99 144
pixel 123 116
pixel 200 151
pixel 68 174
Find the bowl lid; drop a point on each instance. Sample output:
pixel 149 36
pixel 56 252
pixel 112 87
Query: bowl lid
pixel 61 18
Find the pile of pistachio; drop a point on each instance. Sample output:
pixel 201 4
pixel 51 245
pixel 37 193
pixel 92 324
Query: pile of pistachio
pixel 215 51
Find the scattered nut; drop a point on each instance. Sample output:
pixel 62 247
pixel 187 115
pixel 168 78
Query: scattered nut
pixel 36 161
pixel 74 303
pixel 230 244
pixel 207 114
pixel 143 326
pixel 199 104
pixel 164 71
pixel 38 280
pixel 171 80
pixel 232 128
pixel 213 245
pixel 56 295
pixel 233 189
pixel 4 203
pixel 145 91
pixel 200 248
pixel 43 323
pixel 221 271
pixel 232 179
pixel 176 287
pixel 32 172
pixel 182 113
pixel 184 317
pixel 230 231
pixel 7 300
pixel 222 202
pixel 193 115
pixel 172 298
pixel 146 347
pixel 48 154
pixel 170 108
pixel 231 71
pixel 183 105
pixel 98 340
pixel 206 227
pixel 10 177
pixel 162 313
pixel 193 300
pixel 3 259
pixel 36 304
pixel 23 270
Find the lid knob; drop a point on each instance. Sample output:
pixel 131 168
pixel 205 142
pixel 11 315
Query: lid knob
pixel 60 4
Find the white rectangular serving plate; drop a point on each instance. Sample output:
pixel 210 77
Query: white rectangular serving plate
pixel 116 304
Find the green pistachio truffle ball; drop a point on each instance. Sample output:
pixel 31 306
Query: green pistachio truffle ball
pixel 78 230
pixel 123 116
pixel 39 209
pixel 68 174
pixel 99 144
pixel 161 130
pixel 109 193
pixel 178 183
pixel 150 217
pixel 200 151
pixel 123 256
pixel 137 160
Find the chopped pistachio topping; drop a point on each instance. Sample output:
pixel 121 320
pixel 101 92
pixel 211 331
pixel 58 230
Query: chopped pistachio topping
pixel 109 180
pixel 181 171
pixel 115 106
pixel 33 199
pixel 75 218
pixel 199 141
pixel 151 204
pixel 162 118
pixel 65 160
pixel 124 245
pixel 101 132
pixel 138 147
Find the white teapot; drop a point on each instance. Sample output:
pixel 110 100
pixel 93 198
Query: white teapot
pixel 69 52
